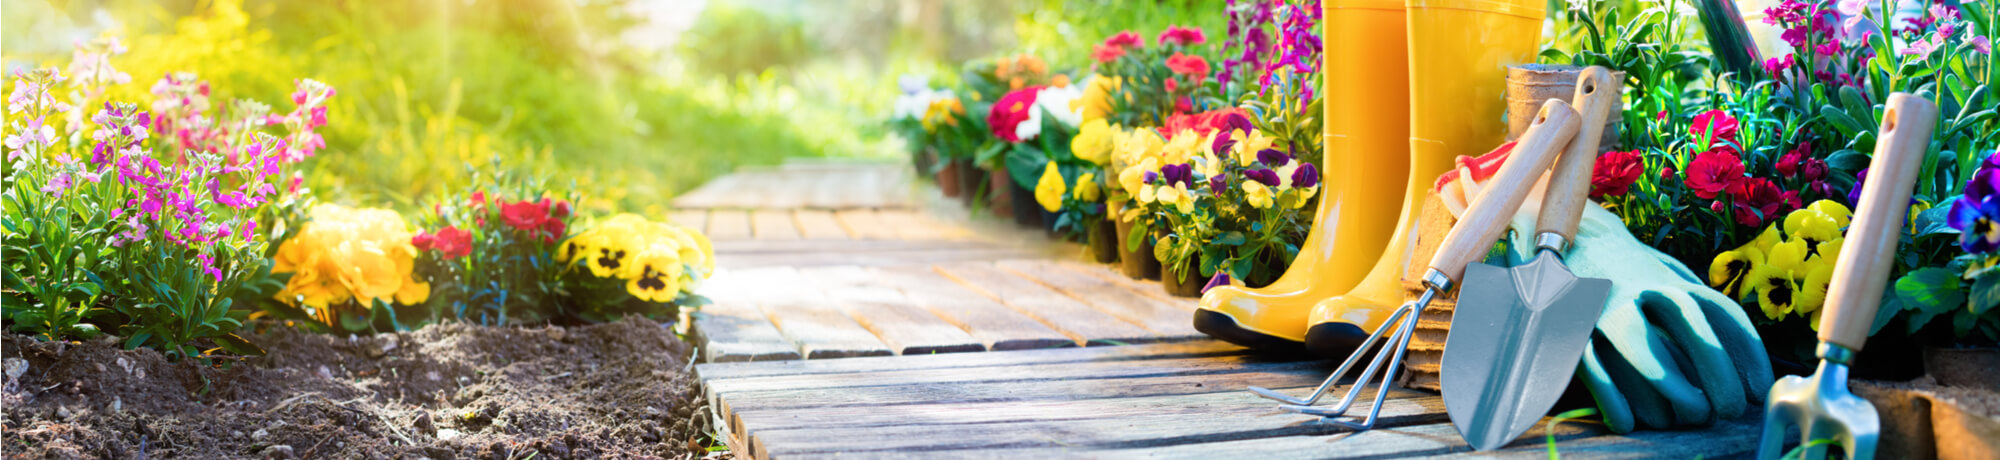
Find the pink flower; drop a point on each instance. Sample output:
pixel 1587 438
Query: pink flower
pixel 1193 66
pixel 1714 172
pixel 1125 39
pixel 1184 36
pixel 1106 53
pixel 1716 123
pixel 1614 173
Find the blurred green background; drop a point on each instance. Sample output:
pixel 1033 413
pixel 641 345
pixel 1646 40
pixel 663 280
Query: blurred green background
pixel 633 101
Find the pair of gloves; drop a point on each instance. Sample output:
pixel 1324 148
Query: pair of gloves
pixel 1668 350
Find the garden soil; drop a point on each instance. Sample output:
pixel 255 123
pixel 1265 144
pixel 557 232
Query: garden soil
pixel 454 391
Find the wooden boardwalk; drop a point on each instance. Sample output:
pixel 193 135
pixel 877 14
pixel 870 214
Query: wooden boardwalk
pixel 961 337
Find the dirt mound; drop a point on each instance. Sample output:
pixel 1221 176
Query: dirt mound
pixel 447 391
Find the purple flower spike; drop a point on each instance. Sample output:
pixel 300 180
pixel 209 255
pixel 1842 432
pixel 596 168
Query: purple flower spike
pixel 1273 158
pixel 1305 176
pixel 1263 176
pixel 1854 196
pixel 1217 184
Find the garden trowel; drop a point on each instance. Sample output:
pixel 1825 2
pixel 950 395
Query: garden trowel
pixel 1820 404
pixel 1518 333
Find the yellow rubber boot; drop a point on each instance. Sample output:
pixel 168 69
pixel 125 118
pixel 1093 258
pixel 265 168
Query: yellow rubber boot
pixel 1367 150
pixel 1459 52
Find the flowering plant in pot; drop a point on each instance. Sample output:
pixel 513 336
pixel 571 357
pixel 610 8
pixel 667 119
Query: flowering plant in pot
pixel 1081 199
pixel 1227 206
pixel 917 115
pixel 631 265
pixel 1035 125
pixel 986 83
pixel 489 253
pixel 122 220
pixel 1148 84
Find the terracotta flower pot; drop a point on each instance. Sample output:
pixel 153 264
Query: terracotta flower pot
pixel 1104 241
pixel 948 179
pixel 1000 192
pixel 1529 85
pixel 968 182
pixel 1187 284
pixel 1139 263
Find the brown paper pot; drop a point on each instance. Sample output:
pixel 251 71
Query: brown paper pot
pixel 1921 419
pixel 1136 264
pixel 1000 192
pixel 1426 356
pixel 1529 85
pixel 1187 285
pixel 1104 242
pixel 948 179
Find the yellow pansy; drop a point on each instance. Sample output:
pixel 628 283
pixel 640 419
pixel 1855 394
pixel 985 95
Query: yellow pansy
pixel 1766 240
pixel 1096 100
pixel 1732 269
pixel 1833 209
pixel 1087 189
pixel 1208 165
pixel 1133 177
pixel 1812 290
pixel 1093 141
pixel 659 274
pixel 1775 291
pixel 1285 174
pixel 942 112
pixel 1181 147
pixel 1176 194
pixel 1245 150
pixel 1147 194
pixel 343 256
pixel 1812 226
pixel 1050 190
pixel 1137 145
pixel 1257 193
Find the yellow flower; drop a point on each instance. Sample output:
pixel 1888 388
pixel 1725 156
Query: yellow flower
pixel 346 255
pixel 1180 148
pixel 1303 196
pixel 1258 194
pixel 1050 190
pixel 1245 151
pixel 1096 100
pixel 1833 209
pixel 1087 189
pixel 1138 145
pixel 1176 194
pixel 942 112
pixel 1285 174
pixel 1133 178
pixel 1829 250
pixel 1765 241
pixel 1731 269
pixel 1147 194
pixel 1093 141
pixel 1812 291
pixel 1775 291
pixel 1812 226
pixel 659 274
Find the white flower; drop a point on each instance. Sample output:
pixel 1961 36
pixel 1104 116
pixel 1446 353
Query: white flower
pixel 1054 101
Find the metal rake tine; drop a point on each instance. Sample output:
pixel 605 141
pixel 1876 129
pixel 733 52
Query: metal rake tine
pixel 1352 358
pixel 1403 345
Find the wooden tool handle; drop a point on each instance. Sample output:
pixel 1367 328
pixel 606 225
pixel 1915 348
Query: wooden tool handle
pixel 1488 214
pixel 1865 259
pixel 1569 184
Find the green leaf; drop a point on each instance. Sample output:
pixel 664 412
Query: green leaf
pixel 237 345
pixel 137 339
pixel 1231 239
pixel 1847 160
pixel 1928 292
pixel 1840 120
pixel 1985 292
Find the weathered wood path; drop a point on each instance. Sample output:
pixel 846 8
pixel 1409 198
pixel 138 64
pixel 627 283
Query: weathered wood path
pixel 963 337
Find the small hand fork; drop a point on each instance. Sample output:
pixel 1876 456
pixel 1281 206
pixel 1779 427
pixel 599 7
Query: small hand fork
pixel 1467 242
pixel 1821 404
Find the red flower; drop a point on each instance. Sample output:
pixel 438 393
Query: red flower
pixel 1107 53
pixel 1668 173
pixel 1010 111
pixel 523 215
pixel 553 228
pixel 1202 123
pixel 1184 64
pixel 450 242
pixel 1172 85
pixel 1614 174
pixel 1125 39
pixel 1184 36
pixel 1758 199
pixel 1788 164
pixel 1715 122
pixel 1813 169
pixel 1714 172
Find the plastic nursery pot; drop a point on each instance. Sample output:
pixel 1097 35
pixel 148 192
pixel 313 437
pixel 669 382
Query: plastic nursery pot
pixel 1104 241
pixel 948 178
pixel 1528 85
pixel 1188 284
pixel 1027 213
pixel 969 180
pixel 1049 224
pixel 1138 263
pixel 1000 194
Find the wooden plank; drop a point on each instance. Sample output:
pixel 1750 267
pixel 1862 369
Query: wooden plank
pixel 1148 288
pixel 732 328
pixel 992 324
pixel 911 225
pixel 729 225
pixel 1269 375
pixel 847 246
pixel 865 224
pixel 1067 355
pixel 1052 309
pixel 818 225
pixel 1158 316
pixel 696 219
pixel 906 328
pixel 819 328
pixel 877 258
pixel 773 225
pixel 1026 374
pixel 1116 422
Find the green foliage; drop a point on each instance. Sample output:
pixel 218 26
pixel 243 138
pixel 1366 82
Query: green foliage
pixel 56 248
pixel 735 40
pixel 510 275
pixel 1061 31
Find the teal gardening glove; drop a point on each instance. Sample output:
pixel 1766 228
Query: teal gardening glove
pixel 1668 350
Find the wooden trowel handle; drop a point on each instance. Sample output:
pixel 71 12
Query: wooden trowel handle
pixel 1865 259
pixel 1489 213
pixel 1569 184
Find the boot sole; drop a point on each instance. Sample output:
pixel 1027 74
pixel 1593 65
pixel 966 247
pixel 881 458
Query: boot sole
pixel 1226 328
